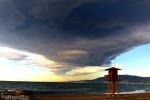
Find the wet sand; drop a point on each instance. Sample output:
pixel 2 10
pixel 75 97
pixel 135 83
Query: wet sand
pixel 138 96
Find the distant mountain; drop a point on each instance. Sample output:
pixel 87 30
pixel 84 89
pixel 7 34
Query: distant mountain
pixel 123 78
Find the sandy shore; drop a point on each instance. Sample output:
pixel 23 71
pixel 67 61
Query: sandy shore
pixel 139 96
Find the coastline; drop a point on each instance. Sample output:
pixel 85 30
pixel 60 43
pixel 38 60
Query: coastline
pixel 136 96
pixel 30 95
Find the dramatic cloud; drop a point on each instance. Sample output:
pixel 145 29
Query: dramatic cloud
pixel 11 54
pixel 28 58
pixel 52 69
pixel 83 71
pixel 71 33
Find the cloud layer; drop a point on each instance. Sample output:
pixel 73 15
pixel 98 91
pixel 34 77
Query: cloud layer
pixel 73 33
pixel 54 69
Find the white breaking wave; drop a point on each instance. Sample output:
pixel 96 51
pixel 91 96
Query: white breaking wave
pixel 134 92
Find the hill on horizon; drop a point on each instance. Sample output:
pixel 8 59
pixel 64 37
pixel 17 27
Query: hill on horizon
pixel 123 78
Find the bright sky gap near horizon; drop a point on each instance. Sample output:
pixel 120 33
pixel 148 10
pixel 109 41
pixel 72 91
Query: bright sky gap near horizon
pixel 70 40
pixel 136 61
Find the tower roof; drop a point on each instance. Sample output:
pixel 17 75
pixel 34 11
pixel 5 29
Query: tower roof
pixel 112 68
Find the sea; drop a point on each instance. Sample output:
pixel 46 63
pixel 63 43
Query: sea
pixel 70 88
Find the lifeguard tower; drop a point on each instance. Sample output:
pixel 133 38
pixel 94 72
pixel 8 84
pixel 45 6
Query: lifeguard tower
pixel 113 80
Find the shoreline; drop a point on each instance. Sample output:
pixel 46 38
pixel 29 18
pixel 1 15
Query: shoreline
pixel 28 95
pixel 137 96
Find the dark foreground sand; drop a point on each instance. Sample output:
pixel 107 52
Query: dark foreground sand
pixel 140 96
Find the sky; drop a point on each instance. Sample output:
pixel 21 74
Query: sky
pixel 70 40
pixel 135 62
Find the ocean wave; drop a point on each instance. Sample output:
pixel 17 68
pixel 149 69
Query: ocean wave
pixel 134 92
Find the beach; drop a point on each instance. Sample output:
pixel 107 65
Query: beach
pixel 137 96
pixel 71 91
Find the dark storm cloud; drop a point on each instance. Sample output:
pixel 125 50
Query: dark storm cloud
pixel 75 32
